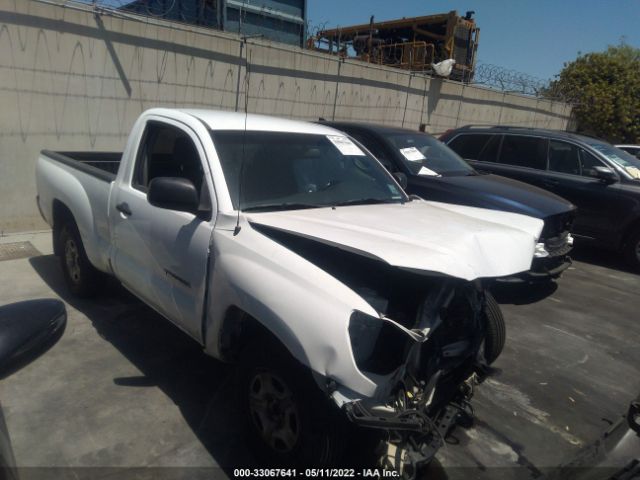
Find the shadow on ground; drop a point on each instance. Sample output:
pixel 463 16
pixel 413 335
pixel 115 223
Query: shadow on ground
pixel 204 389
pixel 528 293
pixel 522 293
pixel 600 257
pixel 201 387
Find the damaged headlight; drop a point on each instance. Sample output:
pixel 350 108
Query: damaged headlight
pixel 377 345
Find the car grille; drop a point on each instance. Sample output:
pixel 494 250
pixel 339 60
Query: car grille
pixel 555 234
pixel 558 246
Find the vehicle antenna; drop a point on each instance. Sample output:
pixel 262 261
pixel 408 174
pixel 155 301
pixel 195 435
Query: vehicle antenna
pixel 244 39
pixel 236 230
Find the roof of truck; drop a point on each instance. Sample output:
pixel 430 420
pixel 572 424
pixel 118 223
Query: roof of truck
pixel 225 120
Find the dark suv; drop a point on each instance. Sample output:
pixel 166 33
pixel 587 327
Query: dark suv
pixel 601 180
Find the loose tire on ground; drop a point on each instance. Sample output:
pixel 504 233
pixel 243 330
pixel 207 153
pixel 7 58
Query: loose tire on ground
pixel 496 330
pixel 81 277
pixel 289 421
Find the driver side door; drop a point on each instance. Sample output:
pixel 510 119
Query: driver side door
pixel 162 255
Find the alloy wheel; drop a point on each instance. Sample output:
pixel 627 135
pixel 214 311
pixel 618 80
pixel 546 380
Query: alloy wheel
pixel 274 411
pixel 72 259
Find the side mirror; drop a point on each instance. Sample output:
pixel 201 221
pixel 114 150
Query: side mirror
pixel 401 178
pixel 173 193
pixel 27 330
pixel 606 174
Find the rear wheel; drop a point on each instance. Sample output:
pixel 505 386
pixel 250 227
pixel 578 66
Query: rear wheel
pixel 496 329
pixel 632 250
pixel 81 277
pixel 289 421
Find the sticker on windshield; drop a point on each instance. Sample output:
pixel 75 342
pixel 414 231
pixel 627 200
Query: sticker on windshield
pixel 426 171
pixel 633 171
pixel 345 145
pixel 412 154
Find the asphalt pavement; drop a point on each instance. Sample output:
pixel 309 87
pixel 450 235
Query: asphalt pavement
pixel 124 389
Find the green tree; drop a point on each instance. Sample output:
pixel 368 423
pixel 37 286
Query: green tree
pixel 604 89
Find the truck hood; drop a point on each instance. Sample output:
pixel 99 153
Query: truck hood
pixel 459 241
pixel 492 191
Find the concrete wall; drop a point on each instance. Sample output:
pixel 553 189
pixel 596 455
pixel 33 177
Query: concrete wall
pixel 73 80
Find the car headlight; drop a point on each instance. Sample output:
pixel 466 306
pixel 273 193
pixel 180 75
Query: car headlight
pixel 363 332
pixel 377 345
pixel 540 251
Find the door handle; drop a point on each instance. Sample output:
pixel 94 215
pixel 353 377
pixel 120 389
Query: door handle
pixel 124 208
pixel 551 183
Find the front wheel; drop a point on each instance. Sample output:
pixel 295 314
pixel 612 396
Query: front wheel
pixel 81 277
pixel 495 329
pixel 289 421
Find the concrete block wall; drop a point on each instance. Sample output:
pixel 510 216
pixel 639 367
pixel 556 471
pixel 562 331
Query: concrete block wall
pixel 70 79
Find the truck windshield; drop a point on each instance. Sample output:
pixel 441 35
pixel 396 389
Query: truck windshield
pixel 426 155
pixel 286 171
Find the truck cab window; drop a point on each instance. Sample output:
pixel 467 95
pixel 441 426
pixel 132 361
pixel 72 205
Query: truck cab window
pixel 167 151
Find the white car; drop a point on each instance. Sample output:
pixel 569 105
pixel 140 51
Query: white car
pixel 284 246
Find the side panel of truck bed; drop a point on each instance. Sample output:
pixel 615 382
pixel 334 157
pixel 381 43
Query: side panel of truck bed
pixel 84 190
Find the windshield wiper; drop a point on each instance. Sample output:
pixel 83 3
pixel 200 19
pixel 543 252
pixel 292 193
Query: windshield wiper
pixel 368 201
pixel 281 206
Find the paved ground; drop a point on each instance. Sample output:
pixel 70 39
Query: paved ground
pixel 124 388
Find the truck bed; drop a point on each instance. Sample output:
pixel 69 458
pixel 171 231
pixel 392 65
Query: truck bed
pixel 103 165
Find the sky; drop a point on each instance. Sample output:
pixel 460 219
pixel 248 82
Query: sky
pixel 535 37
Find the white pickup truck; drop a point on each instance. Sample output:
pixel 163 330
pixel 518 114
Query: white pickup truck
pixel 287 247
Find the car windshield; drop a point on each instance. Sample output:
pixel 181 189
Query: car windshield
pixel 624 159
pixel 426 155
pixel 286 171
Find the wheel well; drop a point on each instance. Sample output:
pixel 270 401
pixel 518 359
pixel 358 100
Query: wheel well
pixel 61 216
pixel 239 329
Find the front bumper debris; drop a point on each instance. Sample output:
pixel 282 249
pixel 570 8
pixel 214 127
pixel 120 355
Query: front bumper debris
pixel 413 436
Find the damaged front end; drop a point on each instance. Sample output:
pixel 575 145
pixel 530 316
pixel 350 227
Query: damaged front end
pixel 425 371
pixel 424 351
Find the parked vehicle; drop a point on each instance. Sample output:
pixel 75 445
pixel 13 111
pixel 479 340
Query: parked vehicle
pixel 435 172
pixel 27 330
pixel 285 247
pixel 601 180
pixel 632 149
pixel 615 455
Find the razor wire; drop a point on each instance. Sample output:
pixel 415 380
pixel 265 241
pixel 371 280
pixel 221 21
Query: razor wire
pixel 153 8
pixel 508 80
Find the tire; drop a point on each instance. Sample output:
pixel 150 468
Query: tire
pixel 496 329
pixel 632 250
pixel 278 395
pixel 82 279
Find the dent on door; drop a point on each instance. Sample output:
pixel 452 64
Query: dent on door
pixel 181 254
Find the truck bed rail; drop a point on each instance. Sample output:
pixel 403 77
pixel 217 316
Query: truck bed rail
pixel 103 165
